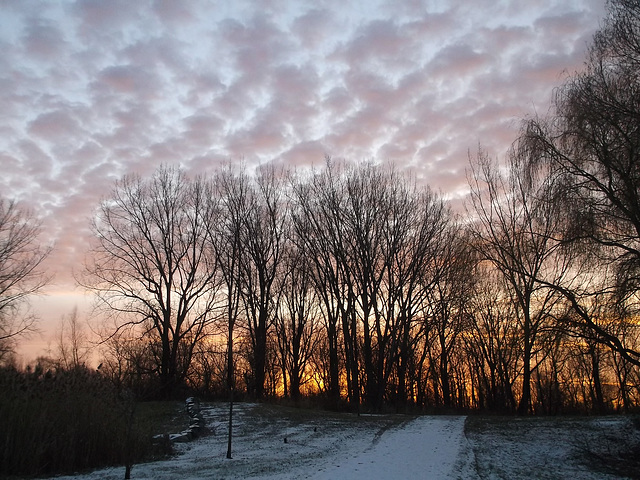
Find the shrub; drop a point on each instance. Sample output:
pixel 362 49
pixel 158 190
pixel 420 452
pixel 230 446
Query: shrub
pixel 63 421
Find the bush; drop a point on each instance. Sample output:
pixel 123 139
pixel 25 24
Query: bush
pixel 63 421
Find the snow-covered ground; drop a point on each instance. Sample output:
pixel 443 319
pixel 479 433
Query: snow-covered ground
pixel 426 447
pixel 322 445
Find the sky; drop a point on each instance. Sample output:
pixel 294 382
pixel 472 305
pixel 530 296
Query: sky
pixel 91 90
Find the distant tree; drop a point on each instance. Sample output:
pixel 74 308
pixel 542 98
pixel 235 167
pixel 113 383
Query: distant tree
pixel 129 363
pixel 152 266
pixel 21 259
pixel 297 320
pixel 493 342
pixel 590 144
pixel 446 307
pixel 73 347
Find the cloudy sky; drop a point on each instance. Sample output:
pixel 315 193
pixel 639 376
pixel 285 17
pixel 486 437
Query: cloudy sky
pixel 92 89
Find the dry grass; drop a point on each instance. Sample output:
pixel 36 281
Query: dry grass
pixel 68 421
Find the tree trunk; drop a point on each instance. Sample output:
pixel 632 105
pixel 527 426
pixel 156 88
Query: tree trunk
pixel 334 367
pixel 525 400
pixel 230 382
pixel 598 400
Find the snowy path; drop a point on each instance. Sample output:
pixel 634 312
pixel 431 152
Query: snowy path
pixel 425 448
pixel 327 447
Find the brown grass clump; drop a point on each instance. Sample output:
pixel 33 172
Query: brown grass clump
pixel 65 421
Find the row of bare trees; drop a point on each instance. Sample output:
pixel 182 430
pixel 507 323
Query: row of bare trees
pixel 357 284
pixel 185 262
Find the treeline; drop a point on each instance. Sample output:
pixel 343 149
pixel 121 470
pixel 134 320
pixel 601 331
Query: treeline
pixel 353 284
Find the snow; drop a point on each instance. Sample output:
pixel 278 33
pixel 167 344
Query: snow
pixel 279 443
pixel 426 447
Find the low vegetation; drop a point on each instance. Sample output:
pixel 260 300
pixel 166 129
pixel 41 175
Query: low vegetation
pixel 68 420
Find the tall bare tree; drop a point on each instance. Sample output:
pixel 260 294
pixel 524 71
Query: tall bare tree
pixel 151 264
pixel 590 143
pixel 515 225
pixel 230 192
pixel 21 258
pixel 318 233
pixel 416 239
pixel 297 321
pixel 263 235
pixel 73 347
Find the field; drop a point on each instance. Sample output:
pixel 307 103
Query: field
pixel 276 442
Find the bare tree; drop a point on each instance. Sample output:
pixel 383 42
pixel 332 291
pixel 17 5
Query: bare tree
pixel 20 274
pixel 297 319
pixel 128 361
pixel 230 192
pixel 516 223
pixel 492 345
pixel 365 207
pixel 152 265
pixel 73 345
pixel 262 234
pixel 318 233
pixel 446 311
pixel 590 144
pixel 416 238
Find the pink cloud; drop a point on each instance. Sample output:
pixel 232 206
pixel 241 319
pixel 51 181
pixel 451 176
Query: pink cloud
pixel 432 26
pixel 560 26
pixel 458 60
pixel 171 12
pixel 202 128
pixel 299 84
pixel 396 152
pixel 370 88
pixel 201 87
pixel 97 18
pixel 304 154
pixel 338 102
pixel 43 40
pixel 127 79
pixel 256 45
pixel 262 138
pixel 313 28
pixel 148 54
pixel 207 163
pixel 380 40
pixel 58 125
